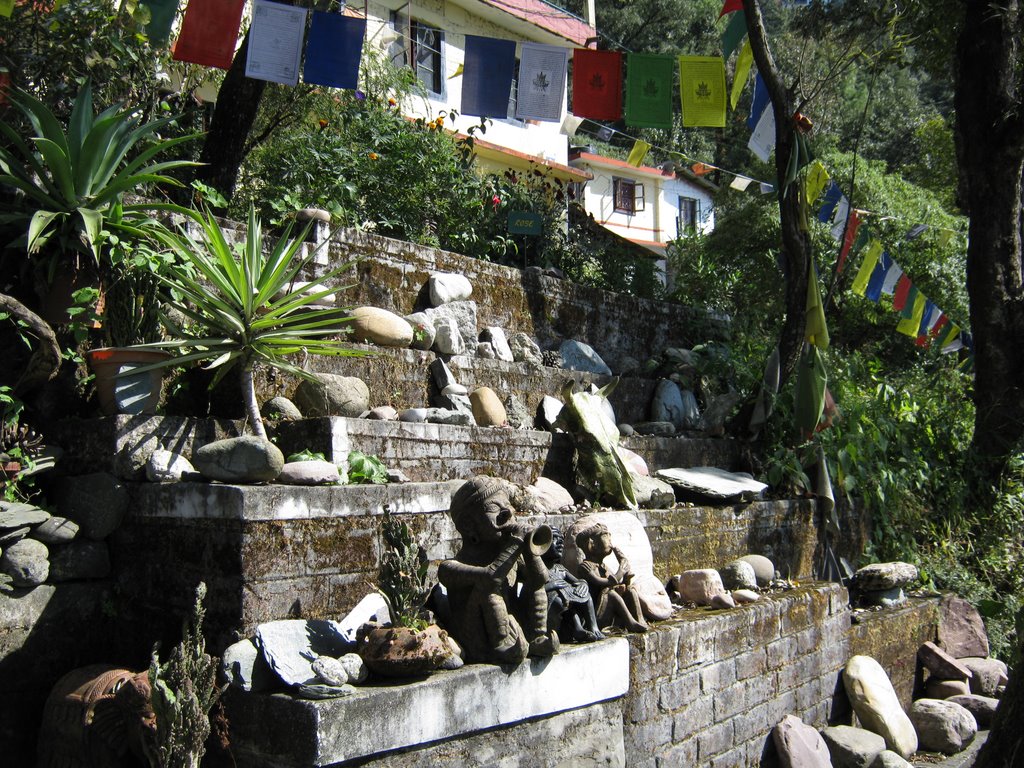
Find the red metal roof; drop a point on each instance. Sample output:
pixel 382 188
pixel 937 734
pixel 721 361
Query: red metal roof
pixel 548 17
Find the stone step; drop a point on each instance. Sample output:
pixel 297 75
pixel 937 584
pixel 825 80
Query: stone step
pixel 274 551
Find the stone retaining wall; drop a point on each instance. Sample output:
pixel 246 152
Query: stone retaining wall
pixel 708 689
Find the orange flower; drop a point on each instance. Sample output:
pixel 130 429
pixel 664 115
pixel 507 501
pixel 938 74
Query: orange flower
pixel 374 156
pixel 392 102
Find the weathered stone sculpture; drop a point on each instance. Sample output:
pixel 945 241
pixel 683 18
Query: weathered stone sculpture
pixel 570 609
pixel 618 603
pixel 98 716
pixel 490 619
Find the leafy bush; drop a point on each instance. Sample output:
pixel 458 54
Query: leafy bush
pixel 363 468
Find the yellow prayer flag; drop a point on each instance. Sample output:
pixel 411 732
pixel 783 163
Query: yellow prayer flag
pixel 871 254
pixel 817 178
pixel 816 331
pixel 458 71
pixel 910 325
pixel 702 91
pixel 740 74
pixel 945 235
pixel 638 153
pixel 6 7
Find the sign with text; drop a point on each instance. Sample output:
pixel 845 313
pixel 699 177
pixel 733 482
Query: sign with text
pixel 524 223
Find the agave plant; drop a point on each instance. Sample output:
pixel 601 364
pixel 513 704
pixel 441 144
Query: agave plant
pixel 248 309
pixel 73 180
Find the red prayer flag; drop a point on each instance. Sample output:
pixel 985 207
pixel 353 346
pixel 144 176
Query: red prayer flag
pixel 731 6
pixel 5 84
pixel 700 169
pixel 848 240
pixel 899 299
pixel 939 324
pixel 209 32
pixel 597 84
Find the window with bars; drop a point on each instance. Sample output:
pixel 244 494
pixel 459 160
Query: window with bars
pixel 419 47
pixel 629 196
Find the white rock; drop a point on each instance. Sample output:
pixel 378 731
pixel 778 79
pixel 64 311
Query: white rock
pixel 699 585
pixel 446 287
pixel 800 745
pixel 549 496
pixel 422 330
pixel 498 341
pixel 877 706
pixel 315 472
pixel 742 596
pixel 448 339
pixel 167 466
pixel 942 726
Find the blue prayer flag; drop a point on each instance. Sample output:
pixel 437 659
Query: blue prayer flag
pixel 761 100
pixel 875 282
pixel 831 199
pixel 487 77
pixel 333 50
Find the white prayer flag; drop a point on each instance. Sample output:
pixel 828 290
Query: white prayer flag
pixel 275 42
pixel 839 217
pixel 570 125
pixel 892 276
pixel 762 140
pixel 740 183
pixel 540 93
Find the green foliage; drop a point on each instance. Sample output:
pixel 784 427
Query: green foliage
pixel 184 689
pixel 307 455
pixel 403 573
pixel 363 468
pixel 73 179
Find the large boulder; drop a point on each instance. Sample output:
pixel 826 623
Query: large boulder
pixel 164 466
pixel 764 569
pixel 800 745
pixel 314 472
pixel 423 330
pixel 462 313
pixel 961 629
pixel 667 404
pixel 739 574
pixel 852 747
pixel 247 459
pixel 652 493
pixel 381 327
pixel 448 338
pixel 525 349
pixel 941 664
pixel 699 585
pixel 495 336
pixel 879 576
pixel 942 726
pixel 982 707
pixel 290 647
pixel 333 395
pixel 487 408
pixel 97 502
pixel 987 675
pixel 446 287
pixel 877 706
pixel 577 356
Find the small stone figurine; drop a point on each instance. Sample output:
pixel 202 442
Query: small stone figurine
pixel 492 620
pixel 618 603
pixel 570 609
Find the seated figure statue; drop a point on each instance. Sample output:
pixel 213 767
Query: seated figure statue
pixel 570 609
pixel 618 603
pixel 491 619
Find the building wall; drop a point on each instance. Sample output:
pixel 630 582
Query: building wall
pixel 533 138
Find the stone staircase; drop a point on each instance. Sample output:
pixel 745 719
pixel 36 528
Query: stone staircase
pixel 274 551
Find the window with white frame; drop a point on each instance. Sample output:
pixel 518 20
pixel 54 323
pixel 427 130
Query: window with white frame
pixel 629 195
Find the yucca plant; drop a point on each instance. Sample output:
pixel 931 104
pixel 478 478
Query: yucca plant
pixel 73 180
pixel 248 308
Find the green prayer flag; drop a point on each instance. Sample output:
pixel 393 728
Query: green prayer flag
pixel 816 331
pixel 161 18
pixel 638 153
pixel 6 7
pixel 649 90
pixel 910 324
pixel 811 379
pixel 702 91
pixel 860 282
pixel 741 73
pixel 735 31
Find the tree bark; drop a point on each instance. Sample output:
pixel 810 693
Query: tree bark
pixel 237 105
pixel 45 360
pixel 989 100
pixel 796 246
pixel 252 408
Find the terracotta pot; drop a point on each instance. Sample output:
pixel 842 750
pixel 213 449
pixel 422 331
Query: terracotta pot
pixel 9 469
pixel 119 390
pixel 404 652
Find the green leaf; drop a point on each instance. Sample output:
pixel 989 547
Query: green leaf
pixel 40 228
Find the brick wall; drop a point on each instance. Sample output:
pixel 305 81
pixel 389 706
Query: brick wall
pixel 707 690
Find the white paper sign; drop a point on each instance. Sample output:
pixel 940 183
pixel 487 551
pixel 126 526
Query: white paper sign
pixel 762 140
pixel 541 87
pixel 275 42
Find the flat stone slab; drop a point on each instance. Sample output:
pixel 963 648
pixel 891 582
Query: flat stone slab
pixel 713 482
pixel 283 731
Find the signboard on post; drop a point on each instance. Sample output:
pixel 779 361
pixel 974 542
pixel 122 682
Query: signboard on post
pixel 523 223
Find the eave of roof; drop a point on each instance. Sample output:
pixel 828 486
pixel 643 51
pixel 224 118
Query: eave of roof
pixel 517 159
pixel 542 15
pixel 644 170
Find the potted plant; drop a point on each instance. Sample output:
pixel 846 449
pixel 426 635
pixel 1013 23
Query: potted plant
pixel 246 309
pixel 71 184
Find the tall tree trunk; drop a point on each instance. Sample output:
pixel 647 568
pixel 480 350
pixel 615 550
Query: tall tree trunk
pixel 796 246
pixel 237 105
pixel 989 100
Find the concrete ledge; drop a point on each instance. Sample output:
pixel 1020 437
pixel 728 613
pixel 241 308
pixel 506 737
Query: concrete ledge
pixel 280 730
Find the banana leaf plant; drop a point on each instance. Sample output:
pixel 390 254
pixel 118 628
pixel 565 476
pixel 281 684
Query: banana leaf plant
pixel 247 308
pixel 73 180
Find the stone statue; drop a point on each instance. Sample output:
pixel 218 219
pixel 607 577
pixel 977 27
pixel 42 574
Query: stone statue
pixel 570 609
pixel 618 603
pixel 97 717
pixel 496 594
